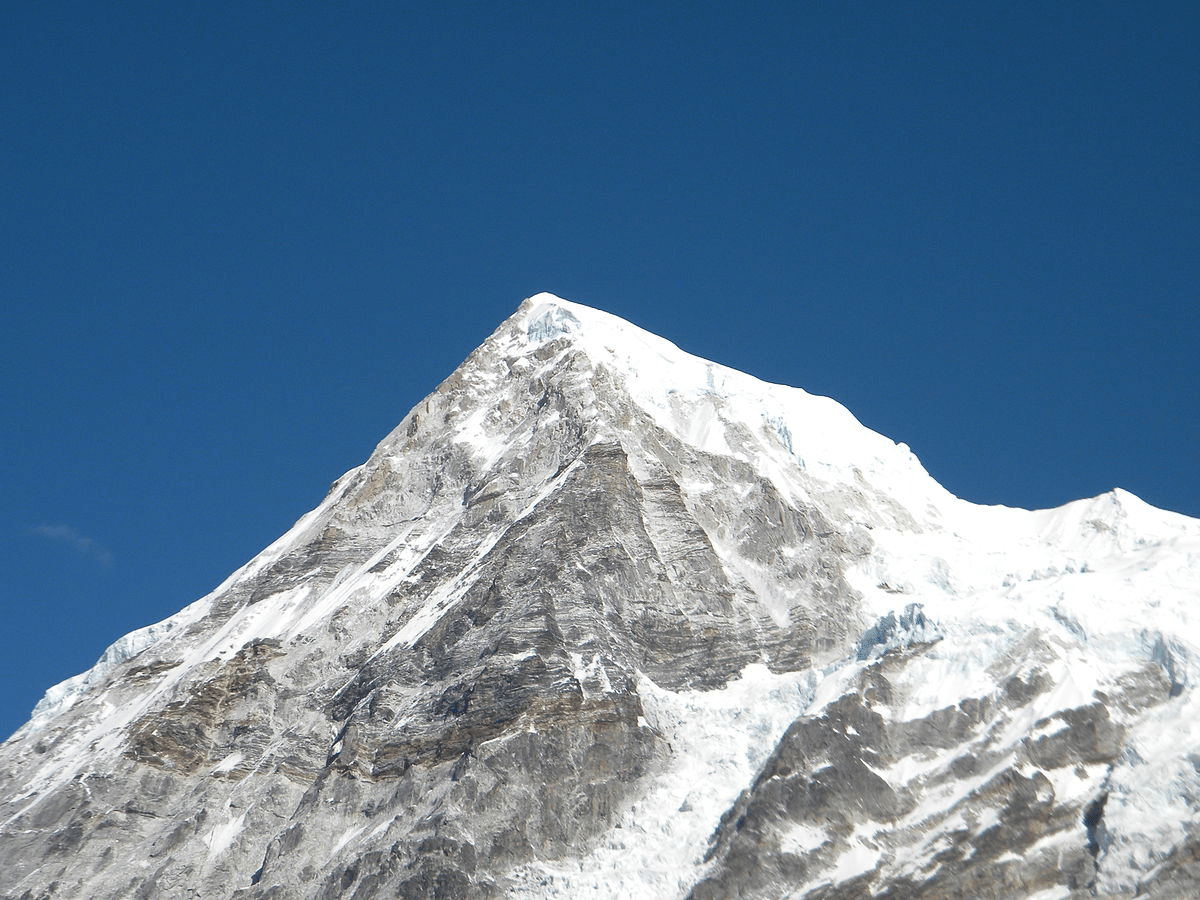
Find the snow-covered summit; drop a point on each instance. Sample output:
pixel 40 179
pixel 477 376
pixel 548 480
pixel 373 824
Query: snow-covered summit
pixel 603 618
pixel 722 410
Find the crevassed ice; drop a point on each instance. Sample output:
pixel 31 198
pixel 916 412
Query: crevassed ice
pixel 549 321
pixel 64 693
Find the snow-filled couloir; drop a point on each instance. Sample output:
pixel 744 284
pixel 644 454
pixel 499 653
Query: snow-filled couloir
pixel 601 618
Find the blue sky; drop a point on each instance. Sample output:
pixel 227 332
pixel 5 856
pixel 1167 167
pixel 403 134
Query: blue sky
pixel 239 241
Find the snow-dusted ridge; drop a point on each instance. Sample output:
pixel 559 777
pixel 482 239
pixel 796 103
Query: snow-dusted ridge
pixel 698 400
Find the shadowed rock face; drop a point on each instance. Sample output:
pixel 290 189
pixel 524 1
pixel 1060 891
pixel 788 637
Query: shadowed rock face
pixel 515 654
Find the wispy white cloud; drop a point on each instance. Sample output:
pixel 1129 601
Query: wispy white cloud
pixel 71 537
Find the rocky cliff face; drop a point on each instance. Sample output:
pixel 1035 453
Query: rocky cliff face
pixel 602 619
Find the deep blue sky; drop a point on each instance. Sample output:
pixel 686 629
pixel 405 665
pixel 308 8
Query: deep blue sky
pixel 239 241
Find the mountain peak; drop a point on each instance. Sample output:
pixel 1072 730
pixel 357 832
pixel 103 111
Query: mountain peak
pixel 602 617
pixel 545 316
